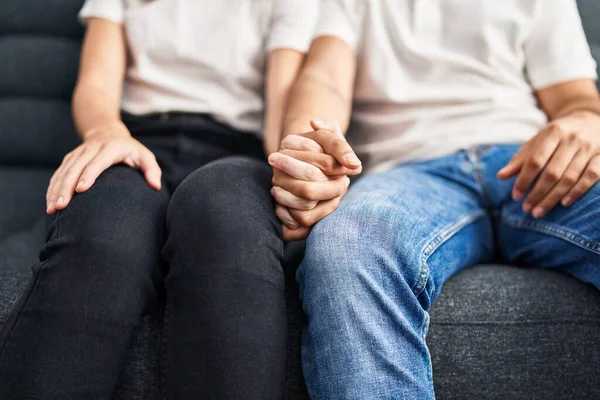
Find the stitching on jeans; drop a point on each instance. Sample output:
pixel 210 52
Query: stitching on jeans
pixel 553 230
pixel 437 240
pixel 163 350
pixel 35 283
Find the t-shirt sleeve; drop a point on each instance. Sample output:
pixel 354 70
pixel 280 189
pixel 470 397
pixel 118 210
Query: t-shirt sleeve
pixel 339 18
pixel 293 24
pixel 557 50
pixel 112 10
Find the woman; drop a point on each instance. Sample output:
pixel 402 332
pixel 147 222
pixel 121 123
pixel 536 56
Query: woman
pixel 172 192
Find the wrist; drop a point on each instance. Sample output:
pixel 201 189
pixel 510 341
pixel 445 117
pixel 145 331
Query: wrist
pixel 113 128
pixel 584 113
pixel 296 125
pixel 585 109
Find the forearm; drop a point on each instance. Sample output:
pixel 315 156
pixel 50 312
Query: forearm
pixel 94 107
pixel 313 97
pixel 584 104
pixel 570 97
pixel 283 67
pixel 324 88
pixel 97 96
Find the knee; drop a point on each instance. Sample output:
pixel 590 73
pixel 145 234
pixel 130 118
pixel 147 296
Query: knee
pixel 222 218
pixel 229 196
pixel 119 218
pixel 360 245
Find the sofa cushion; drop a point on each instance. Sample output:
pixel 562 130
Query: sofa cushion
pixel 22 197
pixel 43 18
pixel 39 49
pixel 590 12
pixel 502 332
pixel 29 131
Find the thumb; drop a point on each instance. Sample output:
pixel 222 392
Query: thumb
pixel 514 166
pixel 151 170
pixel 330 125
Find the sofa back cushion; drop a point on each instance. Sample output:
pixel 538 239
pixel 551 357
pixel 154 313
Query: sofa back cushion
pixel 39 52
pixel 590 14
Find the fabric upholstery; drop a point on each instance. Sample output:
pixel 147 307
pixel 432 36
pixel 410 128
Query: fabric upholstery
pixel 497 332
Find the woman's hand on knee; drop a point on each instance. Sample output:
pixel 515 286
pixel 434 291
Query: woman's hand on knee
pixel 101 149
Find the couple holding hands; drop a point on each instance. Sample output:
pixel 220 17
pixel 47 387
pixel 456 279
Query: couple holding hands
pixel 213 132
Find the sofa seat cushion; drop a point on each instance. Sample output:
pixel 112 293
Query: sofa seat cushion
pixel 22 198
pixel 501 332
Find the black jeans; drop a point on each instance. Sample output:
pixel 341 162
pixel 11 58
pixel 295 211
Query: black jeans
pixel 210 237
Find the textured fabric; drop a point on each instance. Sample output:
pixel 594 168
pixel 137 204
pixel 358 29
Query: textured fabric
pixel 22 198
pixel 515 333
pixel 427 85
pixel 373 267
pixel 35 132
pixel 102 268
pixel 39 49
pixel 470 359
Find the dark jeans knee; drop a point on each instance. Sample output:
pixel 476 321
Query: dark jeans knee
pixel 107 241
pixel 223 215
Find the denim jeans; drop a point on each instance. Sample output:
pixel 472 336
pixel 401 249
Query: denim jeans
pixel 373 268
pixel 210 237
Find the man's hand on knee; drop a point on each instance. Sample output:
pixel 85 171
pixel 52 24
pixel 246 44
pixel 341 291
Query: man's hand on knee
pixel 310 176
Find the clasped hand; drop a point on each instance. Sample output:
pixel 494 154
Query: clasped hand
pixel 310 175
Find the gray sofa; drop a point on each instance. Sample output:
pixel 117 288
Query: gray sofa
pixel 497 332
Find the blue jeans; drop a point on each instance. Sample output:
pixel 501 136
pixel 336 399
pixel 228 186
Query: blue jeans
pixel 374 266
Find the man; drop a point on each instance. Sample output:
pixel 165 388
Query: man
pixel 480 123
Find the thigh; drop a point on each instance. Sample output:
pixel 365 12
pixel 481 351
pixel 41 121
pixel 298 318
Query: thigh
pixel 119 221
pixel 422 219
pixel 225 253
pixel 226 207
pixel 566 239
pixel 196 142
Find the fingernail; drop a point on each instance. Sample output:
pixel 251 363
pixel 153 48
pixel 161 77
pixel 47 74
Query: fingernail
pixel 273 158
pixel 293 224
pixel 60 200
pixel 527 207
pixel 347 181
pixel 50 205
pixel 318 121
pixel 567 201
pixel 518 195
pixel 537 212
pixel 80 185
pixel 352 159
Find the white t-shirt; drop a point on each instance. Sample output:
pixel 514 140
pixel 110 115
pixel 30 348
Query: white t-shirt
pixel 205 56
pixel 437 76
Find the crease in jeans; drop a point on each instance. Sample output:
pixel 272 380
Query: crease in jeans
pixel 439 238
pixel 555 231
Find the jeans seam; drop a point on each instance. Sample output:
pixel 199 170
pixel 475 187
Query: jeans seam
pixel 163 352
pixel 36 280
pixel 437 240
pixel 555 231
